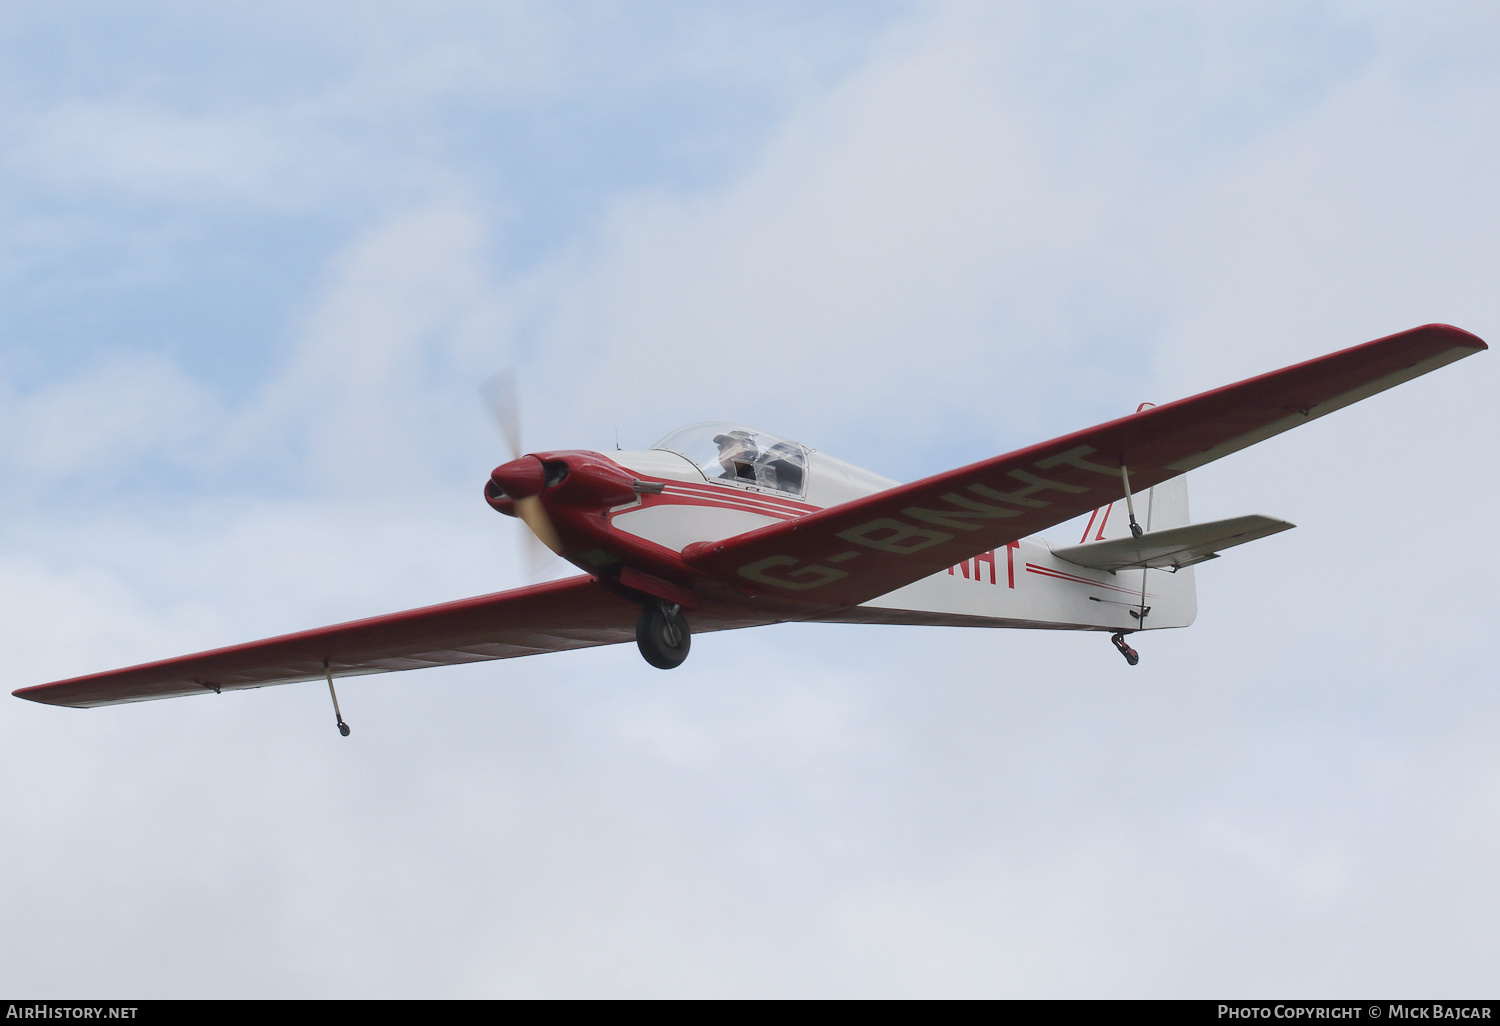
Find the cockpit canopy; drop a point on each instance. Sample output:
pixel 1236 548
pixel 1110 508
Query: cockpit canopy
pixel 736 455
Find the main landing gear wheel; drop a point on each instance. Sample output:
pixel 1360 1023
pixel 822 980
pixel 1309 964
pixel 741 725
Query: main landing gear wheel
pixel 662 636
pixel 1131 655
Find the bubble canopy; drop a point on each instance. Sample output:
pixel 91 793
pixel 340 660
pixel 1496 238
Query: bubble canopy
pixel 733 454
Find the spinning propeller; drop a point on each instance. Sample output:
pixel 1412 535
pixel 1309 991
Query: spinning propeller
pixel 523 478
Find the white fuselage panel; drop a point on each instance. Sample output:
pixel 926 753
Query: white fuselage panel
pixel 1023 584
pixel 678 526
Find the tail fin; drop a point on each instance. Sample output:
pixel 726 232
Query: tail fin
pixel 1167 505
pixel 1173 596
pixel 1157 508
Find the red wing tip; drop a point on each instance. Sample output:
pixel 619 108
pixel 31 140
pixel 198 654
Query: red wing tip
pixel 38 695
pixel 1457 336
pixel 47 694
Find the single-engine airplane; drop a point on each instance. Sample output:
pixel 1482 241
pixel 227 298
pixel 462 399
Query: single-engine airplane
pixel 719 526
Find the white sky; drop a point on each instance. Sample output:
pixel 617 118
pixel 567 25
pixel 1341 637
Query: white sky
pixel 255 260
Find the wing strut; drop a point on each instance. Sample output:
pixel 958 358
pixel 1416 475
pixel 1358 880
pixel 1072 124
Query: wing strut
pixel 1135 528
pixel 338 716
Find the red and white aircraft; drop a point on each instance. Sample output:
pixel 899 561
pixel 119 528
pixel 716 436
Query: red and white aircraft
pixel 719 526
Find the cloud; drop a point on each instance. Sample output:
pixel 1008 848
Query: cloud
pixel 152 154
pixel 125 409
pixel 407 325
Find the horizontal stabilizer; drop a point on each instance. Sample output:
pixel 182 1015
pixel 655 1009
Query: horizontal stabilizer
pixel 1174 548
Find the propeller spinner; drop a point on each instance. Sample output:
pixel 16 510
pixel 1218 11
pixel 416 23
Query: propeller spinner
pixel 523 478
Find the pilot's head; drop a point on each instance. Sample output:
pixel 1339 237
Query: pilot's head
pixel 734 442
pixel 735 447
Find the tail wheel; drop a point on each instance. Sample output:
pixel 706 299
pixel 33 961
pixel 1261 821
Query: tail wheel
pixel 662 636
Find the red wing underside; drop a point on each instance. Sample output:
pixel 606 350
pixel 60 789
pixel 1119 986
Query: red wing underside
pixel 552 617
pixel 848 554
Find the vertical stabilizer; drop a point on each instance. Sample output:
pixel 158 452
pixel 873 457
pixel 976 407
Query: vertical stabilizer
pixel 1167 505
pixel 1158 508
pixel 1173 600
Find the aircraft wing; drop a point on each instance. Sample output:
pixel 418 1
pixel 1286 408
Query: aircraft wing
pixel 851 553
pixel 551 617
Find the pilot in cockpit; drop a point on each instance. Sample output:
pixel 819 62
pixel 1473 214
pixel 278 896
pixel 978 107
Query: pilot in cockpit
pixel 737 455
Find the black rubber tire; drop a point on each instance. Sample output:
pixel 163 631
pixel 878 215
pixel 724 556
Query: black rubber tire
pixel 662 637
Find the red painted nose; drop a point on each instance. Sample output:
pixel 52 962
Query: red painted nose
pixel 520 478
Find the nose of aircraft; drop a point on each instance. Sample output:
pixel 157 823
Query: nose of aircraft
pixel 520 479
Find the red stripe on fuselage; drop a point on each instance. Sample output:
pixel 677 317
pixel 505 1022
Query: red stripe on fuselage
pixel 721 492
pixel 1064 576
pixel 676 493
pixel 714 502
